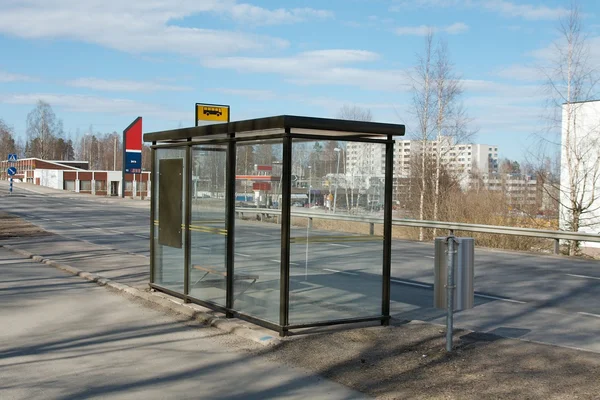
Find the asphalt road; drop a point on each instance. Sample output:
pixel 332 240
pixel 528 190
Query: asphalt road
pixel 62 337
pixel 536 297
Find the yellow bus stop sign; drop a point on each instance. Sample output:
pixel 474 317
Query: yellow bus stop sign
pixel 211 113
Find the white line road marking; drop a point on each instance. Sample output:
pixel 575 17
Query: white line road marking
pixel 261 234
pixel 340 272
pixel 277 261
pixel 412 284
pixel 429 257
pixel 142 236
pixel 584 276
pixel 339 245
pixel 45 219
pixel 485 296
pixel 118 232
pixel 242 255
pixel 77 225
pixel 589 314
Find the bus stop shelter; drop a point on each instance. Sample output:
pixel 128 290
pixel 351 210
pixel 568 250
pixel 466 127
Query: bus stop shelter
pixel 280 272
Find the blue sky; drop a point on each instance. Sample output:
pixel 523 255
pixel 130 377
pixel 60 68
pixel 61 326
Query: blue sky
pixel 104 62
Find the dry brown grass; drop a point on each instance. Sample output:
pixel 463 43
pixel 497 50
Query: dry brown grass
pixel 507 242
pixel 12 226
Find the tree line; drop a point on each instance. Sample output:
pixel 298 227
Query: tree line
pixel 46 139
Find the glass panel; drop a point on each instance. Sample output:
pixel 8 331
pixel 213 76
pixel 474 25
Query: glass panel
pixel 85 186
pixel 168 260
pixel 257 237
pixel 336 264
pixel 208 269
pixel 69 185
pixel 100 186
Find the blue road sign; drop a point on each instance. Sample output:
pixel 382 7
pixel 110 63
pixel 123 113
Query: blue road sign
pixel 12 158
pixel 11 171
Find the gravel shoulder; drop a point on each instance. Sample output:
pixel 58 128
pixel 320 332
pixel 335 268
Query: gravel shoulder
pixel 409 361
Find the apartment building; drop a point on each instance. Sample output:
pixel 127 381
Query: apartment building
pixel 461 159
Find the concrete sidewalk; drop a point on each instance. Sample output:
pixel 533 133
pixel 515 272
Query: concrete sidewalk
pixel 64 338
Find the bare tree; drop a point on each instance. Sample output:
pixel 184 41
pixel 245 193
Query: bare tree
pixel 42 129
pixel 8 145
pixel 451 120
pixel 423 106
pixel 355 113
pixel 361 150
pixel 571 81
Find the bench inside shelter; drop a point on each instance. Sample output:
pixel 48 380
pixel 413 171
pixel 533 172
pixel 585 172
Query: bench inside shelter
pixel 236 277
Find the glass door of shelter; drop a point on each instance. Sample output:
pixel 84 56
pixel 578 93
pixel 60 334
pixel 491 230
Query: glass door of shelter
pixel 208 264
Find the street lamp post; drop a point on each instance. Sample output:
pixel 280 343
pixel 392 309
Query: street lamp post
pixel 309 183
pixel 337 177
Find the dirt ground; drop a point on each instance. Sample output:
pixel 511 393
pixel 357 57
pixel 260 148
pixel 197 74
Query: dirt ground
pixel 11 226
pixel 409 361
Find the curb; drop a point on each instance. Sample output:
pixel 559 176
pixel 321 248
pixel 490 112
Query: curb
pixel 163 301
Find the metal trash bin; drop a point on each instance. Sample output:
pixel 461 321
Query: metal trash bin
pixel 463 273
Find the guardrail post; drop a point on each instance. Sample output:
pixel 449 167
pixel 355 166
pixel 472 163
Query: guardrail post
pixel 371 228
pixel 450 287
pixel 556 246
pixel 310 221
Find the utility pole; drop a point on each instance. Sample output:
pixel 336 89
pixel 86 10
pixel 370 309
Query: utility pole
pixel 337 177
pixel 115 155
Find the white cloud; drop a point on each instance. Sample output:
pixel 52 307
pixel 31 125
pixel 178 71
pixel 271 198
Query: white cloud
pixel 246 13
pixel 10 77
pixel 123 85
pixel 521 73
pixel 147 26
pixel 503 7
pixel 252 94
pixel 327 67
pixel 95 104
pixel 401 5
pixel 526 11
pixel 423 30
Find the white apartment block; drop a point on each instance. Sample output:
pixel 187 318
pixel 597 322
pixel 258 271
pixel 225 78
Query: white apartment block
pixel 475 165
pixel 519 189
pixel 461 159
pixel 582 121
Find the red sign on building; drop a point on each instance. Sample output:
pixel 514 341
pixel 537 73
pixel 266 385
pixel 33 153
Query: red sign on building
pixel 265 186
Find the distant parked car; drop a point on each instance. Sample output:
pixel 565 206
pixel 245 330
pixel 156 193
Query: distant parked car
pixel 297 204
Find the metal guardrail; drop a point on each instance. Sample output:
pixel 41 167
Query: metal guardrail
pixel 451 226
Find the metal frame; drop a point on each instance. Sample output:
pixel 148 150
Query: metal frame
pixel 187 256
pixel 281 129
pixel 284 276
pixel 387 230
pixel 153 178
pixel 230 222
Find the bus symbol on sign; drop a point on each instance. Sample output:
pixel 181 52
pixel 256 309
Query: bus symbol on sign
pixel 212 111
